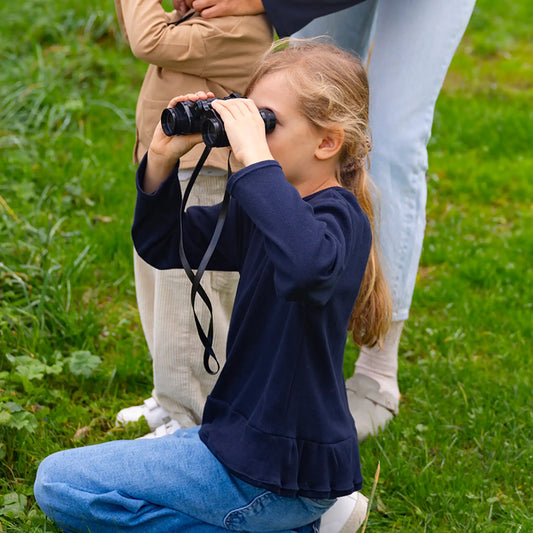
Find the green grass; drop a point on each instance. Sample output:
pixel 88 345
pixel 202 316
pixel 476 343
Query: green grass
pixel 459 455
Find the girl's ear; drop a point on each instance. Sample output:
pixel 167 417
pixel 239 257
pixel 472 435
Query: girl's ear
pixel 330 144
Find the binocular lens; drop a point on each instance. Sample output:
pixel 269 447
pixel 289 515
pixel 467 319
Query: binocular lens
pixel 269 119
pixel 175 121
pixel 213 133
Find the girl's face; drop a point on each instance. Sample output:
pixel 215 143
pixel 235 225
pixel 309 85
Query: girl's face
pixel 294 140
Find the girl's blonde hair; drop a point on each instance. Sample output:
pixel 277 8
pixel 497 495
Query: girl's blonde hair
pixel 332 89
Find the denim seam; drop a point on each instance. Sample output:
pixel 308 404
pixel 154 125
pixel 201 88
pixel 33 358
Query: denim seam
pixel 235 513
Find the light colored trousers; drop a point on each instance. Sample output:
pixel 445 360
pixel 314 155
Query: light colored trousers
pixel 181 383
pixel 413 42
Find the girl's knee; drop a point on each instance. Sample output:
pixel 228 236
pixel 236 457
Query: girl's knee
pixel 45 488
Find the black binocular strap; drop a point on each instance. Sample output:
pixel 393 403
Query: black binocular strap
pixel 196 287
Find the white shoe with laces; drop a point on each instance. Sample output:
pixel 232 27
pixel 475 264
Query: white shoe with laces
pixel 163 430
pixel 154 414
pixel 346 515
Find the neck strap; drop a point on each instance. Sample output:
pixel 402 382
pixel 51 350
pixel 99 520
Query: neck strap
pixel 196 288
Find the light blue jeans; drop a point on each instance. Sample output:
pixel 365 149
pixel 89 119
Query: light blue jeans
pixel 413 42
pixel 163 485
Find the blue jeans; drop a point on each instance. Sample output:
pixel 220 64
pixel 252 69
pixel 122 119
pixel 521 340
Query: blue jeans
pixel 413 42
pixel 162 485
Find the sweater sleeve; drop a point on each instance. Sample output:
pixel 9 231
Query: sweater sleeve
pixel 289 16
pixel 309 242
pixel 192 45
pixel 156 228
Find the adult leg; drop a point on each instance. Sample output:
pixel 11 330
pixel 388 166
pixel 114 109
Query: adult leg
pixel 413 44
pixel 156 486
pixel 181 383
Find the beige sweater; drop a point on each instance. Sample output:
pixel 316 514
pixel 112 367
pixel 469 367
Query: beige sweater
pixel 197 54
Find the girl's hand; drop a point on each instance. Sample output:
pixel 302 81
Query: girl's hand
pixel 164 151
pixel 175 146
pixel 245 129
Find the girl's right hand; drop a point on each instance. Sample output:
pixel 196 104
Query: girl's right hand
pixel 164 151
pixel 175 146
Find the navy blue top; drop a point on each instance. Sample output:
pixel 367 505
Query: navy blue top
pixel 289 16
pixel 278 415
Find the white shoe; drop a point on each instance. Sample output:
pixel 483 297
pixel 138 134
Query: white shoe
pixel 372 409
pixel 163 430
pixel 346 515
pixel 154 414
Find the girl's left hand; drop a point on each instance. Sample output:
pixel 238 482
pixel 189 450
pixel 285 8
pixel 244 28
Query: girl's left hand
pixel 245 129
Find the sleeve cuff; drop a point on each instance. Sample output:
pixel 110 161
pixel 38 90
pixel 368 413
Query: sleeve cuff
pixel 139 179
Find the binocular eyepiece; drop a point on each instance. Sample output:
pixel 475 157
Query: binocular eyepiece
pixel 199 117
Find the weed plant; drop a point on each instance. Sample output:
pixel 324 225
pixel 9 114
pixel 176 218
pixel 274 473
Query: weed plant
pixel 458 457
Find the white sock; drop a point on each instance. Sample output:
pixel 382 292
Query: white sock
pixel 381 364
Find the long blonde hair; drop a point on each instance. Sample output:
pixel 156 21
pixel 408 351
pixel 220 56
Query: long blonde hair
pixel 332 89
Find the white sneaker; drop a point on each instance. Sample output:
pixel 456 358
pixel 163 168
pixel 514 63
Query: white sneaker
pixel 372 408
pixel 346 515
pixel 162 430
pixel 154 414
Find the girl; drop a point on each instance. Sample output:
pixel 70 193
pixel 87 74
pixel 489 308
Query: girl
pixel 277 444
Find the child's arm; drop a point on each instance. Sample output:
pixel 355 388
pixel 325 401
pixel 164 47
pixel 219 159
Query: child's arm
pixel 156 229
pixel 164 151
pixel 120 18
pixel 225 48
pixel 222 8
pixel 308 244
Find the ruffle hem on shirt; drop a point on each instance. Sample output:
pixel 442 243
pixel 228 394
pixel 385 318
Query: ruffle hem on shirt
pixel 286 466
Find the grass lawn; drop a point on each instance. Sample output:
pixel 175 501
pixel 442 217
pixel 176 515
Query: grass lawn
pixel 459 455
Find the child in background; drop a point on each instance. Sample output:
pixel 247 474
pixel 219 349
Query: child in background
pixel 185 54
pixel 277 444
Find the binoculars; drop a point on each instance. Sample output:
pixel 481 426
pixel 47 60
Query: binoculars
pixel 199 117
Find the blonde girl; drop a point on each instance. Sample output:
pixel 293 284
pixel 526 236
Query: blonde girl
pixel 277 445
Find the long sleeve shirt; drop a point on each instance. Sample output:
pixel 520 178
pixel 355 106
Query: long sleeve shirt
pixel 278 415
